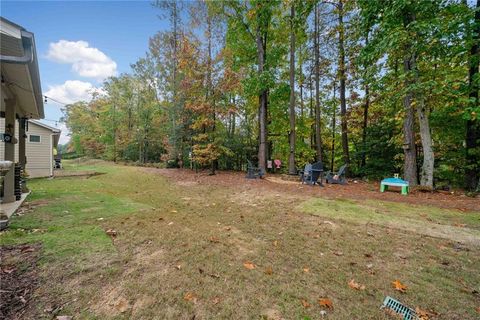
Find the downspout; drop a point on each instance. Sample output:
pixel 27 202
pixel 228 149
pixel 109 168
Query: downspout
pixel 51 154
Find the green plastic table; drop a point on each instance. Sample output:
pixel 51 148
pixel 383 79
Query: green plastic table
pixel 394 182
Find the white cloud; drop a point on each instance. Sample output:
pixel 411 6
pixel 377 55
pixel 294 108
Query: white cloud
pixel 71 91
pixel 86 61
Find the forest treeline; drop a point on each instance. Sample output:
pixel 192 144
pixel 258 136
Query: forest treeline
pixel 383 86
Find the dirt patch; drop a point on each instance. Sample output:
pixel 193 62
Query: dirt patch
pixel 113 301
pixel 68 174
pixel 272 314
pixel 29 206
pixel 19 279
pixel 141 303
pixel 358 190
pixel 145 264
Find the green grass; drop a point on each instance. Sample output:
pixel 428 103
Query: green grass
pixel 384 212
pixel 438 222
pixel 164 250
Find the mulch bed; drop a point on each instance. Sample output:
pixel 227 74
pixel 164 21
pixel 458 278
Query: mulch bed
pixel 358 190
pixel 18 278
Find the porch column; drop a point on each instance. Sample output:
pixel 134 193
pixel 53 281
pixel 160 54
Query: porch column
pixel 9 180
pixel 22 159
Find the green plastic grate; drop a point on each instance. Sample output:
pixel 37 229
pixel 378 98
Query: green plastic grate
pixel 397 307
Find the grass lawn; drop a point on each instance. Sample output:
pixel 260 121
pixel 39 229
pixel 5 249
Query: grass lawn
pixel 189 250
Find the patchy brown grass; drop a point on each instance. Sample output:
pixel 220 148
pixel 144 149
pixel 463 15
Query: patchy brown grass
pixel 181 253
pixel 18 279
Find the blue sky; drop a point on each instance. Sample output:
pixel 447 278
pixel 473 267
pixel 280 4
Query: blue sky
pixel 100 38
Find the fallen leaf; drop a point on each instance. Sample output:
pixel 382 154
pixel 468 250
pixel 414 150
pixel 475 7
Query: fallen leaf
pixel 112 233
pixel 269 270
pixel 190 296
pixel 399 286
pixel 325 303
pixel 423 314
pixel 8 270
pixel 122 305
pixel 249 265
pixel 354 285
pixel 478 309
pixel 275 243
pixel 27 249
pixel 214 239
pixel 305 303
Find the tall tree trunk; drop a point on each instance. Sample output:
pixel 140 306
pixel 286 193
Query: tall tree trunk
pixel 301 81
pixel 262 101
pixel 312 126
pixel 410 161
pixel 291 159
pixel 426 174
pixel 365 114
pixel 332 162
pixel 365 126
pixel 174 84
pixel 209 93
pixel 409 148
pixel 472 171
pixel 318 131
pixel 114 133
pixel 233 118
pixel 342 76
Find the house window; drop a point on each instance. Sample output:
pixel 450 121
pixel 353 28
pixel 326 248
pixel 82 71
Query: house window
pixel 34 138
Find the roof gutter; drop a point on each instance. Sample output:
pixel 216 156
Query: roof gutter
pixel 29 59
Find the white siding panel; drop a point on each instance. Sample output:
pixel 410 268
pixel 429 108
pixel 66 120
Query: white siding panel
pixel 39 154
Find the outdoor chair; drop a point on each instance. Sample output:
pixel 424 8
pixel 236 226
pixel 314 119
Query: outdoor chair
pixel 254 172
pixel 311 173
pixel 338 177
pixel 303 173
